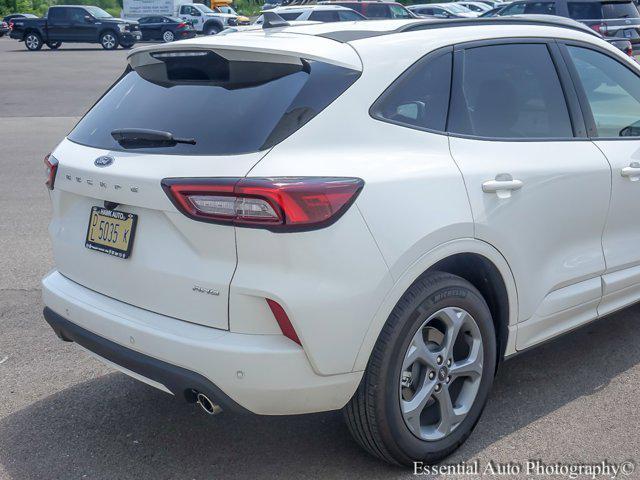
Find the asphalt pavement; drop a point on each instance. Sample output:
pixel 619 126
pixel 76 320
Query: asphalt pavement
pixel 63 415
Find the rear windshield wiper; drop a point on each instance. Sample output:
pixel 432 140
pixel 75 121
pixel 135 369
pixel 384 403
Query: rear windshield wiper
pixel 143 138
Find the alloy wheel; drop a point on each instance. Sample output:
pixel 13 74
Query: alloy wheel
pixel 108 41
pixel 167 36
pixel 32 42
pixel 441 373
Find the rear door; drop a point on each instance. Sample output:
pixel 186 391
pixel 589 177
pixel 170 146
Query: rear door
pixel 609 88
pixel 158 258
pixel 539 190
pixel 59 25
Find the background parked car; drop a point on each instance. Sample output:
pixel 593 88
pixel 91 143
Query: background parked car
pixel 70 23
pixel 315 13
pixel 208 21
pixel 4 28
pixel 164 28
pixel 611 18
pixel 377 10
pixel 477 7
pixel 442 10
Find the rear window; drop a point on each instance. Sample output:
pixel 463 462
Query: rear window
pixel 600 10
pixel 619 10
pixel 228 107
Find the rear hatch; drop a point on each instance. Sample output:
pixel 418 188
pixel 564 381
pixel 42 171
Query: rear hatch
pixel 234 101
pixel 618 18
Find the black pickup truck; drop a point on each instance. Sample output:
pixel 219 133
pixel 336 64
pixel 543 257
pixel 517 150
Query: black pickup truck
pixel 75 23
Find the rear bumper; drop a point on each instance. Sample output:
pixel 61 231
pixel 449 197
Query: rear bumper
pixel 178 381
pixel 264 374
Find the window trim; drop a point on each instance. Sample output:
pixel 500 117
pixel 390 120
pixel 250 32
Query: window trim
pixel 572 99
pixel 433 55
pixel 589 120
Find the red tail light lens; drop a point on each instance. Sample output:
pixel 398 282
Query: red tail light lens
pixel 283 321
pixel 182 25
pixel 278 204
pixel 51 166
pixel 11 25
pixel 629 51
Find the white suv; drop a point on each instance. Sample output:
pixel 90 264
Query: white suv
pixel 365 216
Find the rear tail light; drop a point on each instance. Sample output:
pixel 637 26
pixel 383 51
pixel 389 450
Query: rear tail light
pixel 11 25
pixel 629 51
pixel 283 321
pixel 51 165
pixel 601 28
pixel 182 25
pixel 278 204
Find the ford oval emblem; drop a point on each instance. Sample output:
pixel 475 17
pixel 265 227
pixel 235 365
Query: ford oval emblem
pixel 103 161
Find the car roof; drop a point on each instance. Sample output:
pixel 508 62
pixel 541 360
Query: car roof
pixel 358 2
pixel 304 8
pixel 335 42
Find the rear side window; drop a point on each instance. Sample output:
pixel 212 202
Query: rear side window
pixel 585 10
pixel 541 8
pixel 612 90
pixel 324 16
pixel 420 97
pixel 349 16
pixel 228 107
pixel 374 10
pixel 508 91
pixel 57 15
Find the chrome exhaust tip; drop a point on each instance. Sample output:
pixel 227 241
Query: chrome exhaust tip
pixel 207 405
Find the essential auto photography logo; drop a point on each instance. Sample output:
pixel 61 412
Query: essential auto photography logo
pixel 530 469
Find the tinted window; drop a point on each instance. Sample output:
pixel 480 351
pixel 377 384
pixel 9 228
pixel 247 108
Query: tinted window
pixel 585 10
pixel 348 16
pixel 513 9
pixel 420 97
pixel 57 15
pixel 613 92
pixel 324 16
pixel 375 10
pixel 619 10
pixel 290 15
pixel 76 15
pixel 508 91
pixel 541 8
pixel 399 12
pixel 227 107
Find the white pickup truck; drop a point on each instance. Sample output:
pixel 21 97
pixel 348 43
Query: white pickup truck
pixel 210 21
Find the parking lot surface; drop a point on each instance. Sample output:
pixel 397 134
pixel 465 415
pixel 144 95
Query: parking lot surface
pixel 64 415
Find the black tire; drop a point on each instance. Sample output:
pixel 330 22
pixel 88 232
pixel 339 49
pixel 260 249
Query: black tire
pixel 109 40
pixel 54 45
pixel 212 29
pixel 33 41
pixel 126 46
pixel 373 414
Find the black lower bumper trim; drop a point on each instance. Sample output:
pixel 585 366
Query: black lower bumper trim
pixel 180 381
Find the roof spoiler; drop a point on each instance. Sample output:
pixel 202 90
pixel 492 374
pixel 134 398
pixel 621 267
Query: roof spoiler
pixel 273 20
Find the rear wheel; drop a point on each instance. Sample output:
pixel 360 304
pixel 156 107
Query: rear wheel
pixel 33 41
pixel 168 36
pixel 126 45
pixel 429 375
pixel 54 45
pixel 109 40
pixel 212 29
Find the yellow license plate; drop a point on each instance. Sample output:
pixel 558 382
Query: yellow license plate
pixel 111 231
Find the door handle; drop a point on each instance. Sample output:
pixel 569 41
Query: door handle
pixel 632 172
pixel 502 186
